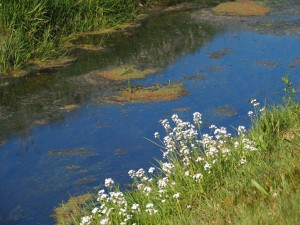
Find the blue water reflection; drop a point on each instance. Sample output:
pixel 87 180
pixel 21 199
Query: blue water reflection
pixel 33 181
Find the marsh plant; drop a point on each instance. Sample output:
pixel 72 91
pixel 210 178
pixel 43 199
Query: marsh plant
pixel 38 29
pixel 193 163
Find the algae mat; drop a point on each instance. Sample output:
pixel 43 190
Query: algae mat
pixel 125 73
pixel 147 94
pixel 245 8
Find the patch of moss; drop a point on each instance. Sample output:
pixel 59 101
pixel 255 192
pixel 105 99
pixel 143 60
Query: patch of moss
pixel 268 63
pixel 243 8
pixel 51 63
pixel 120 152
pixel 89 47
pixel 86 180
pixel 72 167
pixel 70 107
pixel 64 214
pixel 226 110
pixel 294 63
pixel 72 152
pixel 219 54
pixel 125 73
pixel 183 109
pixel 154 93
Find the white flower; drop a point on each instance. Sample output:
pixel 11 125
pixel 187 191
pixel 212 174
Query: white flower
pixel 85 220
pixel 250 113
pixel 104 221
pixel 131 173
pixel 188 206
pixel 109 182
pixel 140 172
pixel 176 196
pixel 151 170
pixel 212 127
pixel 197 177
pixel 95 210
pixel 156 135
pixel 207 166
pixel 243 160
pixel 167 167
pixel 135 208
pixel 162 183
pixel 150 209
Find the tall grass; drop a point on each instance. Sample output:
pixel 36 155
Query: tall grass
pixel 37 28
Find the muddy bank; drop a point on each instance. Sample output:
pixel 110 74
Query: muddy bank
pixel 284 19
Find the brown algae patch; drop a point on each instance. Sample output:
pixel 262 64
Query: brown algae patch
pixel 183 109
pixel 72 167
pixel 147 94
pixel 70 107
pixel 64 214
pixel 242 8
pixel 120 152
pixel 268 63
pixel 294 63
pixel 86 180
pixel 226 110
pixel 51 63
pixel 125 73
pixel 219 54
pixel 73 152
pixel 89 47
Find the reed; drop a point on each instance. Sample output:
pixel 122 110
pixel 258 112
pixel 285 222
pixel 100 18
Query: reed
pixel 37 29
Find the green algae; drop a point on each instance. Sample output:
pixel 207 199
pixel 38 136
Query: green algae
pixel 125 73
pixel 147 94
pixel 219 54
pixel 226 110
pixel 73 152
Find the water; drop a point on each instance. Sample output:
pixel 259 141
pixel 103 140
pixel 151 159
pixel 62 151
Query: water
pixel 33 181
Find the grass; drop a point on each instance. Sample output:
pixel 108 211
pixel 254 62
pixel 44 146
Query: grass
pixel 38 29
pixel 34 30
pixel 213 178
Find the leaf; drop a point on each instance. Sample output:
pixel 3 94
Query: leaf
pixel 259 187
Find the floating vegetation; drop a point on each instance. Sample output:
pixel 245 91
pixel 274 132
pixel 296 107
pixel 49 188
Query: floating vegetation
pixel 72 167
pixel 70 107
pixel 51 63
pixel 226 110
pixel 243 8
pixel 73 152
pixel 183 109
pixel 86 180
pixel 41 121
pixel 120 152
pixel 89 47
pixel 64 214
pixel 125 73
pixel 154 93
pixel 195 77
pixel 219 54
pixel 294 63
pixel 268 63
pixel 2 142
pixel 214 68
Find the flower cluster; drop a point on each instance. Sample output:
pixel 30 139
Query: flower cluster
pixel 189 157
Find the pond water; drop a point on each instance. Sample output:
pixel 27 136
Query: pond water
pixel 48 152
